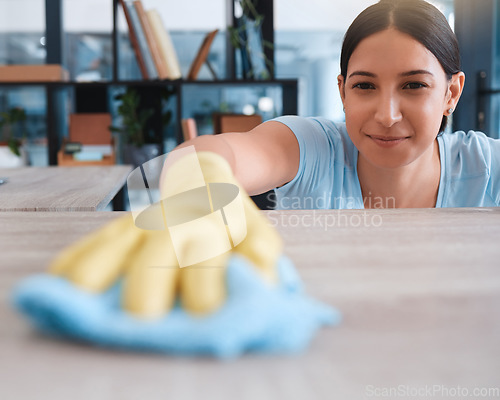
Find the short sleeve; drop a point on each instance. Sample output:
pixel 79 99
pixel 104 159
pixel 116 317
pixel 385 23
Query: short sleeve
pixel 314 147
pixel 494 169
pixel 472 170
pixel 324 156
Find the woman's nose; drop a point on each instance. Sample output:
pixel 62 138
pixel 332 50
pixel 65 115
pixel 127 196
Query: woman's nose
pixel 388 111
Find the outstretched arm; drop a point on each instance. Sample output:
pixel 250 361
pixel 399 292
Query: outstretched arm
pixel 261 159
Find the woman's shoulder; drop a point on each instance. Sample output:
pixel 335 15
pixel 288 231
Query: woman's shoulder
pixel 470 137
pixel 472 167
pixel 322 139
pixel 472 150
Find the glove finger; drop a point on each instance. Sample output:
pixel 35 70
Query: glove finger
pixel 262 245
pixel 203 285
pixel 150 285
pixel 95 262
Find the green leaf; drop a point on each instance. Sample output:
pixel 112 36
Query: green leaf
pixel 115 129
pixel 167 117
pixel 14 146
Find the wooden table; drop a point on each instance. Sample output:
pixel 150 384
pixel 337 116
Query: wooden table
pixel 419 291
pixel 88 188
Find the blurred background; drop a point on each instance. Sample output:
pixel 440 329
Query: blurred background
pixel 307 41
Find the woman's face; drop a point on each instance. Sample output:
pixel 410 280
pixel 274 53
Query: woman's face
pixel 395 95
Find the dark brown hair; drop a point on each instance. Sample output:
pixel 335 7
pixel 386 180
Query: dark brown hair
pixel 417 18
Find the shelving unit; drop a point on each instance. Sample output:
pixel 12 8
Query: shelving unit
pixel 93 96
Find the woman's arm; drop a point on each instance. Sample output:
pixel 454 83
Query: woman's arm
pixel 261 159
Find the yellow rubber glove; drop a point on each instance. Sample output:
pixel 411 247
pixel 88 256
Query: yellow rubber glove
pixel 185 229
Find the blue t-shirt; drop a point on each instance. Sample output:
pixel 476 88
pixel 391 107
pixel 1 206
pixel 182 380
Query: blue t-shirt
pixel 328 179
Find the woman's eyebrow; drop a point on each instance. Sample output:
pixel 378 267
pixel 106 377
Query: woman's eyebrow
pixel 417 72
pixel 407 73
pixel 363 73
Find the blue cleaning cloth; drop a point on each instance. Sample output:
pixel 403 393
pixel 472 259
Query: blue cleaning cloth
pixel 255 317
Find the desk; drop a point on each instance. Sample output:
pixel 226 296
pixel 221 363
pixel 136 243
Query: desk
pixel 419 291
pixel 88 188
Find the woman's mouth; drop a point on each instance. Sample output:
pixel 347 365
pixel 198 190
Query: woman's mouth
pixel 387 141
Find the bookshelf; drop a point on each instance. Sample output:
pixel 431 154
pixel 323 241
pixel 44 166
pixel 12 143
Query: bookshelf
pixel 92 96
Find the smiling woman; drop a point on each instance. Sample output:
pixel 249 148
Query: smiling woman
pixel 400 80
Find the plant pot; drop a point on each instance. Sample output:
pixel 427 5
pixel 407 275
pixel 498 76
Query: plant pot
pixel 9 160
pixel 139 155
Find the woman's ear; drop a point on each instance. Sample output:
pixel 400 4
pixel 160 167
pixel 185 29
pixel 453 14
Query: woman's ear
pixel 341 83
pixel 455 88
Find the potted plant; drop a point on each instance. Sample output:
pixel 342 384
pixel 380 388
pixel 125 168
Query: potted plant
pixel 246 36
pixel 138 144
pixel 11 138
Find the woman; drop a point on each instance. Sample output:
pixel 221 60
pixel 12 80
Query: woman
pixel 400 79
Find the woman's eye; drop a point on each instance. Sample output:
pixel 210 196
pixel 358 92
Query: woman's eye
pixel 363 86
pixel 415 85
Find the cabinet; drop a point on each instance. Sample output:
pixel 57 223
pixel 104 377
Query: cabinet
pixel 62 98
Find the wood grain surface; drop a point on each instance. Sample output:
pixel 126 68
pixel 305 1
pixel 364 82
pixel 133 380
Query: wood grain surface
pixel 419 291
pixel 87 188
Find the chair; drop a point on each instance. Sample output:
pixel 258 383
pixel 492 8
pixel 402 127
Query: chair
pixel 90 130
pixel 189 129
pixel 225 122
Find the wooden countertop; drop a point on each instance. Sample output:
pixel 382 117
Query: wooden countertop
pixel 419 291
pixel 88 188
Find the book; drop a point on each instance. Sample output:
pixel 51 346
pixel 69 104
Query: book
pixel 141 40
pixel 134 42
pixel 201 56
pixel 165 43
pixel 33 73
pixel 150 38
